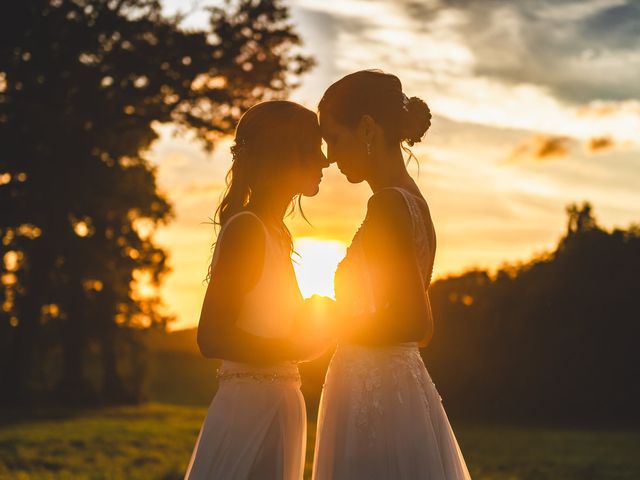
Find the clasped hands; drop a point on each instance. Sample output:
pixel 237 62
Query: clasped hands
pixel 318 326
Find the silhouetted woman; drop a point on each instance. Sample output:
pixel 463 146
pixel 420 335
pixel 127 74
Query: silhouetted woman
pixel 256 424
pixel 380 415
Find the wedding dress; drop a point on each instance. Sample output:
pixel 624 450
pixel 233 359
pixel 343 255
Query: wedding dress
pixel 380 414
pixel 255 427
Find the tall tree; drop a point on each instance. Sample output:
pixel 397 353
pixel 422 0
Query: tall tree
pixel 581 218
pixel 82 85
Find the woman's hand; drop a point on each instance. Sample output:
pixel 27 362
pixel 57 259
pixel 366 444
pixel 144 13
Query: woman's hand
pixel 316 327
pixel 316 316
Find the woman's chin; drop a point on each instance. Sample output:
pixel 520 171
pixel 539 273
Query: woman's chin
pixel 312 191
pixel 353 179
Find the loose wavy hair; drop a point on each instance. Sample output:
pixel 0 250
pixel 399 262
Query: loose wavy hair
pixel 269 139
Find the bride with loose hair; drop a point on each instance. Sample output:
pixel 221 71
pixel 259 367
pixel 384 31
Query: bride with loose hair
pixel 380 414
pixel 255 427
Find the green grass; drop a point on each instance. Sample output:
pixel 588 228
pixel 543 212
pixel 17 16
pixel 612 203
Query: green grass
pixel 510 453
pixel 154 442
pixel 148 442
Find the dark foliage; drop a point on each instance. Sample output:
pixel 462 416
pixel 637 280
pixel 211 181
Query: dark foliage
pixel 83 83
pixel 554 339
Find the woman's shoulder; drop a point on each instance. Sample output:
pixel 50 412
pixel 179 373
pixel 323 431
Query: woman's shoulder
pixel 390 201
pixel 399 208
pixel 397 195
pixel 386 199
pixel 387 210
pixel 243 219
pixel 242 230
pixel 240 249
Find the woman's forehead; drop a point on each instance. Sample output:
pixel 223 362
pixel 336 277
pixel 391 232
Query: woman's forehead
pixel 327 123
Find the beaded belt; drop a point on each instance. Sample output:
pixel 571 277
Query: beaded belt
pixel 258 376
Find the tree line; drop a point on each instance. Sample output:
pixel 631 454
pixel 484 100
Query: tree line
pixel 553 338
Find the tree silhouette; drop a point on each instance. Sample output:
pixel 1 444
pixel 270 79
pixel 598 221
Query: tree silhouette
pixel 83 83
pixel 551 339
pixel 580 218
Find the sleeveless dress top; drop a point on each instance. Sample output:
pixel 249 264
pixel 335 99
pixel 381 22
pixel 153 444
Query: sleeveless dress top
pixel 269 309
pixel 255 427
pixel 380 415
pixel 352 281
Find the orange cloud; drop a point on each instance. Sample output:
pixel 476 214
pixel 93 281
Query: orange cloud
pixel 599 108
pixel 598 144
pixel 541 147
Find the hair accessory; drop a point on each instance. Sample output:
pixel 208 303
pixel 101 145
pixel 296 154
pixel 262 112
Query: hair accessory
pixel 238 148
pixel 405 103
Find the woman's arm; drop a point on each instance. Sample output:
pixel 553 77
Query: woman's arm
pixel 236 272
pixel 402 311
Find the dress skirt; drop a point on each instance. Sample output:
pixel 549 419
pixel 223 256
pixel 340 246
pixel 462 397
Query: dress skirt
pixel 255 427
pixel 381 417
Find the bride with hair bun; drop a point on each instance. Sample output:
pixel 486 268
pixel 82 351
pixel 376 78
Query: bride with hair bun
pixel 381 416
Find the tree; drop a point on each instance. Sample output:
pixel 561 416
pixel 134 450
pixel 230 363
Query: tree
pixel 581 218
pixel 82 85
pixel 552 339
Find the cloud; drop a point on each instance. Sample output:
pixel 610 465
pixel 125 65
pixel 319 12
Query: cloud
pixel 196 191
pixel 174 160
pixel 536 65
pixel 598 144
pixel 601 109
pixel 577 50
pixel 541 147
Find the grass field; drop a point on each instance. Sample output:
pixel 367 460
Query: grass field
pixel 154 441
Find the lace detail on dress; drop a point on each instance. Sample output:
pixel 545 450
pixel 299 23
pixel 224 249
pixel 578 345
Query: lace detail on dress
pixel 365 378
pixel 421 237
pixel 379 378
pixel 352 280
pixel 371 371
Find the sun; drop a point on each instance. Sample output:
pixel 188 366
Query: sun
pixel 317 264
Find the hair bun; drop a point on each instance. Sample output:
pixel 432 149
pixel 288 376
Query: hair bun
pixel 416 120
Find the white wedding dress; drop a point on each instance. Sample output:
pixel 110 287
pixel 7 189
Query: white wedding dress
pixel 255 427
pixel 380 414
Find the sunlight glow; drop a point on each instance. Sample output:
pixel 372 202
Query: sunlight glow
pixel 317 264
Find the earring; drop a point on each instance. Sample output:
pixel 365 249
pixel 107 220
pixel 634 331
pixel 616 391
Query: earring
pixel 368 149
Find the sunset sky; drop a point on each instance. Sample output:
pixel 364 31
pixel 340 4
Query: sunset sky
pixel 536 104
